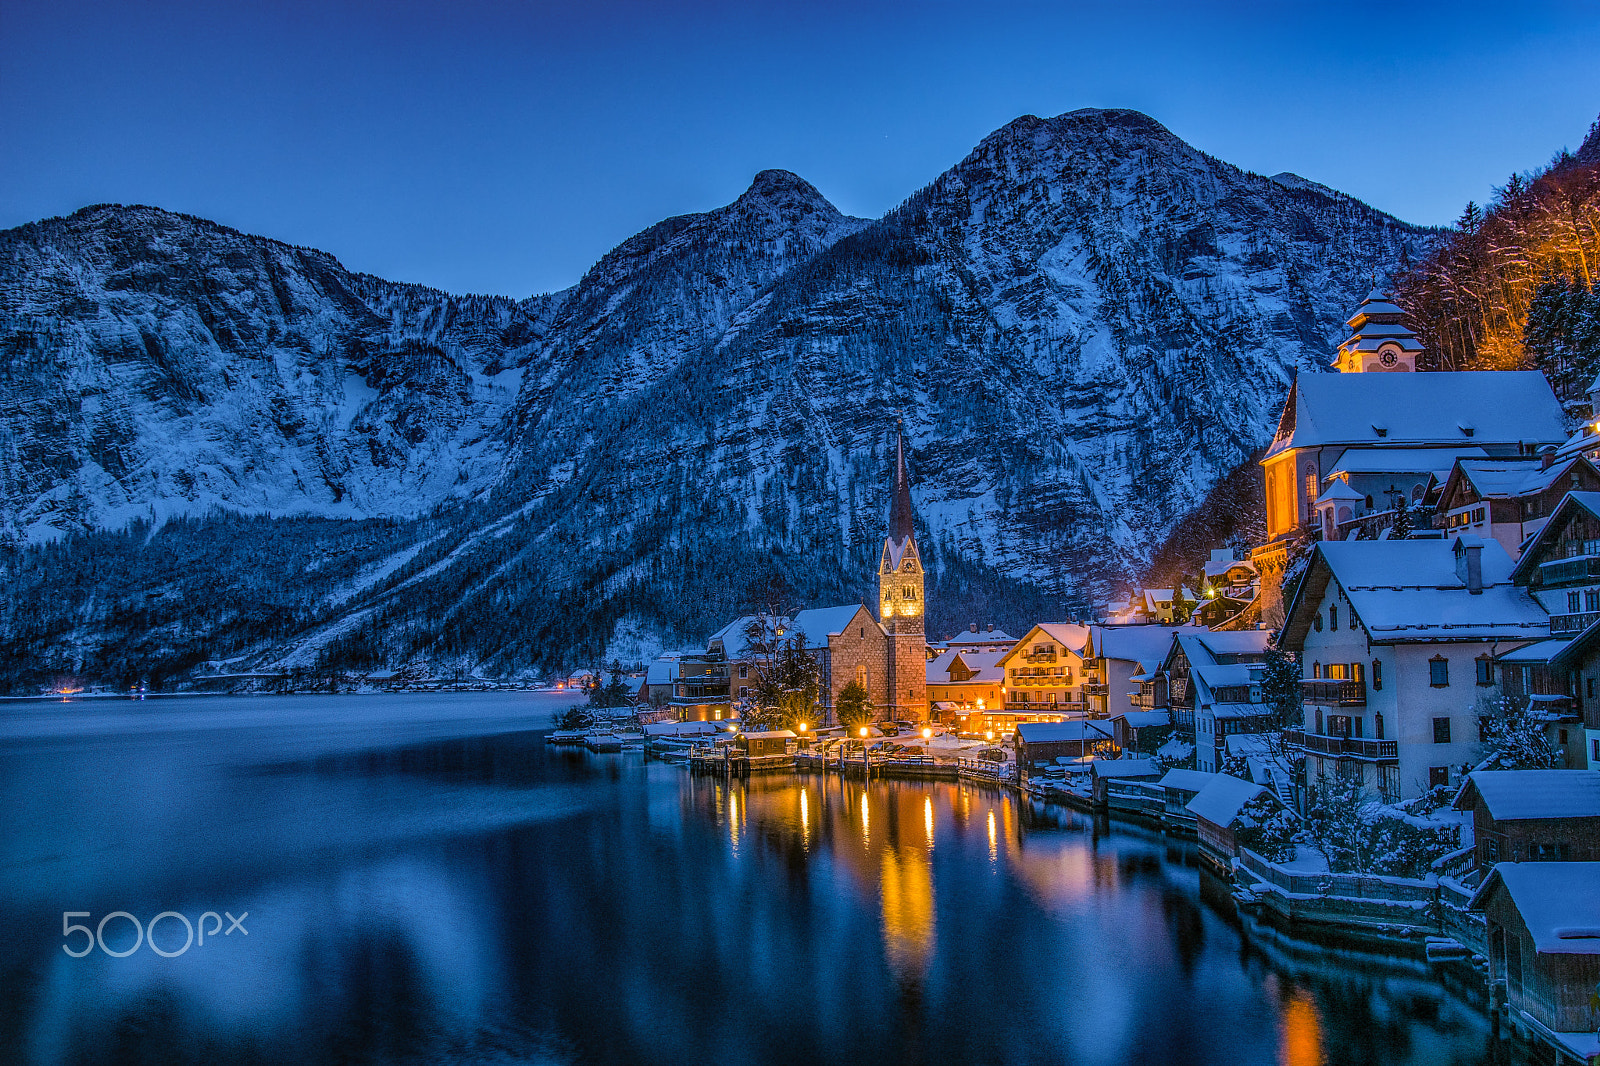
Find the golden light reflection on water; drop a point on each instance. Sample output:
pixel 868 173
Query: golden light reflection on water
pixel 805 817
pixel 927 819
pixel 994 843
pixel 907 886
pixel 1302 1031
pixel 866 831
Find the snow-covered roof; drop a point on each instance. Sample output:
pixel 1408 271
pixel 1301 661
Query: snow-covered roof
pixel 1401 460
pixel 682 729
pixel 1047 732
pixel 769 734
pixel 661 672
pixel 1214 675
pixel 986 665
pixel 1133 643
pixel 1541 651
pixel 1125 768
pixel 1517 794
pixel 1237 744
pixel 1377 302
pixel 1496 406
pixel 1216 567
pixel 821 622
pixel 1220 801
pixel 1408 591
pixel 991 636
pixel 1204 647
pixel 1559 903
pixel 1141 719
pixel 1238 710
pixel 1188 780
pixel 1339 489
pixel 1070 635
pixel 1506 478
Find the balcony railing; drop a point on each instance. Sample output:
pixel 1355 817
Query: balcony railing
pixel 1356 747
pixel 1094 688
pixel 1146 701
pixel 1040 657
pixel 1339 693
pixel 1561 571
pixel 1562 624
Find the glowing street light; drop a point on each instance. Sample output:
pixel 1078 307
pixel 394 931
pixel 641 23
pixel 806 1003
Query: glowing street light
pixel 926 732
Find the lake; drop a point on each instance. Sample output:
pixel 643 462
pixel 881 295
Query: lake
pixel 418 878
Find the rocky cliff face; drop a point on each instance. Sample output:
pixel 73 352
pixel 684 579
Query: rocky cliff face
pixel 1081 325
pixel 158 364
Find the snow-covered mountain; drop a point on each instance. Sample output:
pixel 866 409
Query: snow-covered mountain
pixel 1082 325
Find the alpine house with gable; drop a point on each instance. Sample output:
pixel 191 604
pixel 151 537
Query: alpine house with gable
pixel 1397 641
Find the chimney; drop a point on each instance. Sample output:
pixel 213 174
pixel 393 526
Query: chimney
pixel 1469 563
pixel 991 627
pixel 1547 457
pixel 973 628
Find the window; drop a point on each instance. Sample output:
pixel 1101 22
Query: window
pixel 744 670
pixel 1572 603
pixel 1591 600
pixel 1316 670
pixel 1438 671
pixel 1333 616
pixel 1377 725
pixel 1438 775
pixel 1352 617
pixel 1316 622
pixel 1485 667
pixel 1491 850
pixel 1441 730
pixel 1311 486
pixel 1377 674
pixel 744 690
pixel 1561 736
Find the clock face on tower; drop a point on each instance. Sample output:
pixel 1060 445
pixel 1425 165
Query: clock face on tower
pixel 1387 358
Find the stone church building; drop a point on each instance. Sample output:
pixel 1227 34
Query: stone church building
pixel 887 654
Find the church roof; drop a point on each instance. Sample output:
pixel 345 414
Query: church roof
pixel 900 514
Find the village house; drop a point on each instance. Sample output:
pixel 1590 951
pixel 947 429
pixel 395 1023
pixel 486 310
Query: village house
pixel 1128 727
pixel 1543 922
pixel 1105 771
pixel 975 639
pixel 1115 656
pixel 1044 673
pixel 1181 786
pixel 965 687
pixel 1560 568
pixel 1533 815
pixel 762 743
pixel 1509 499
pixel 1214 689
pixel 1396 640
pixel 1040 744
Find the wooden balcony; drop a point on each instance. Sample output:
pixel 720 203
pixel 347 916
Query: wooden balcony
pixel 1353 747
pixel 1564 624
pixel 1334 693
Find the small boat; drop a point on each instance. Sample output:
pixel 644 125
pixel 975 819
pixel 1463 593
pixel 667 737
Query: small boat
pixel 565 736
pixel 598 740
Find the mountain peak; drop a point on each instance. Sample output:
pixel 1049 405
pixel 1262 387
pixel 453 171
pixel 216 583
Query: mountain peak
pixel 782 185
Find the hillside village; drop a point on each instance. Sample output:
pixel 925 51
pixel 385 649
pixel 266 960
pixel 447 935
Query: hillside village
pixel 1396 689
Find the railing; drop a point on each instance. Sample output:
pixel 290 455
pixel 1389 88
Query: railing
pixel 1148 701
pixel 1348 886
pixel 1094 688
pixel 1561 624
pixel 1040 657
pixel 1562 570
pixel 1342 693
pixel 1040 707
pixel 1354 746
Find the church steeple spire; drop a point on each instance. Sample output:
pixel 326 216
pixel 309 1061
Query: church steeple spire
pixel 900 520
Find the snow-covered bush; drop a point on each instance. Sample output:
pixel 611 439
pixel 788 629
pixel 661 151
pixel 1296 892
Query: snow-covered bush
pixel 1358 835
pixel 1267 828
pixel 1513 739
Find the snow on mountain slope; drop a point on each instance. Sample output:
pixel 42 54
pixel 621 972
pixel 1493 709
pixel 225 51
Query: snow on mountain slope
pixel 158 364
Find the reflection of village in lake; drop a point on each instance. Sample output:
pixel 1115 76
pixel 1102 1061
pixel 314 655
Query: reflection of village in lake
pixel 492 898
pixel 1122 933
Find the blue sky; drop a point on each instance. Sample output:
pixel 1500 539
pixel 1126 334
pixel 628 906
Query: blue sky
pixel 501 147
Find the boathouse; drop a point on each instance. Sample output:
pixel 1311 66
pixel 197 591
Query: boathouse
pixel 1216 810
pixel 1543 923
pixel 766 742
pixel 1533 815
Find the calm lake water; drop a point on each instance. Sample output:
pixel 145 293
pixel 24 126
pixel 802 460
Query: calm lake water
pixel 425 881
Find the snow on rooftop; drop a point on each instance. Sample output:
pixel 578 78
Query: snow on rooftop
pixel 1505 478
pixel 1401 460
pixel 1409 590
pixel 1500 406
pixel 1134 643
pixel 1220 801
pixel 1124 768
pixel 1188 780
pixel 985 663
pixel 1516 794
pixel 1141 719
pixel 991 636
pixel 821 622
pixel 1558 901
pixel 1048 732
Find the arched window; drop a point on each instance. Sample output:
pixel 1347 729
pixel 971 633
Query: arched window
pixel 861 676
